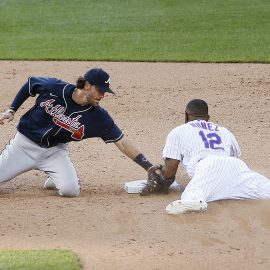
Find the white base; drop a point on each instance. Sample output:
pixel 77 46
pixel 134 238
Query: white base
pixel 137 186
pixel 179 207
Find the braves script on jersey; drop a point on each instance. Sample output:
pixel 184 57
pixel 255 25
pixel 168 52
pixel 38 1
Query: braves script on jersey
pixel 210 154
pixel 56 118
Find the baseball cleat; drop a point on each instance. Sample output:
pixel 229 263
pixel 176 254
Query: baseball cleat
pixel 49 184
pixel 179 207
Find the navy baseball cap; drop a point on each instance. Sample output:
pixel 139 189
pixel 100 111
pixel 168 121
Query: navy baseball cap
pixel 99 78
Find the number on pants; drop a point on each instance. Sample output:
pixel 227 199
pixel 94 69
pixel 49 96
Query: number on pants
pixel 211 140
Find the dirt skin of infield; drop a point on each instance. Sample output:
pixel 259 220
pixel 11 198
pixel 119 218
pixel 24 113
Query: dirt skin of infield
pixel 110 229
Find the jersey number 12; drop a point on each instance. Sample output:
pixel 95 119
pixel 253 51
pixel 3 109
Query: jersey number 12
pixel 211 140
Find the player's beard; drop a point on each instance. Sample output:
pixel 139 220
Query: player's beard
pixel 91 100
pixel 96 103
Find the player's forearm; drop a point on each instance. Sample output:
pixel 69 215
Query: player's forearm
pixel 170 168
pixel 143 161
pixel 133 153
pixel 20 98
pixel 126 147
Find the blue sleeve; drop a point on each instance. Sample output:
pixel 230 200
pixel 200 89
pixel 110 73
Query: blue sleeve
pixel 105 127
pixel 20 98
pixel 113 135
pixel 30 88
pixel 33 86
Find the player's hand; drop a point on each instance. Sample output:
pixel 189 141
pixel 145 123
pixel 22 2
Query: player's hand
pixel 153 184
pixel 156 183
pixel 154 172
pixel 8 115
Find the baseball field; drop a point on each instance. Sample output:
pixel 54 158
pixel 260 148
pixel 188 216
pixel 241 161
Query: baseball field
pixel 161 54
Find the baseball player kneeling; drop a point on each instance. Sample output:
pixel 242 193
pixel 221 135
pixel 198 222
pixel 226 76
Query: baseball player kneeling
pixel 62 112
pixel 210 154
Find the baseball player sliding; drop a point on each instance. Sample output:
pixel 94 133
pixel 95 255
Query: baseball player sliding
pixel 62 113
pixel 210 154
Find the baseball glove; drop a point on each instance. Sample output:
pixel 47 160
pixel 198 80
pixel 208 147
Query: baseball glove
pixel 156 183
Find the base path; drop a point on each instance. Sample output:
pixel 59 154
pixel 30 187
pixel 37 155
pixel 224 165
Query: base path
pixel 111 229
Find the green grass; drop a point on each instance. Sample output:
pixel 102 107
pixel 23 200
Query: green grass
pixel 39 260
pixel 136 30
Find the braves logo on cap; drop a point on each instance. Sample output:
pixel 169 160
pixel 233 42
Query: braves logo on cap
pixel 99 78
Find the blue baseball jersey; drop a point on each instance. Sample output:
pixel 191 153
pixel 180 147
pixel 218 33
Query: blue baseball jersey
pixel 57 118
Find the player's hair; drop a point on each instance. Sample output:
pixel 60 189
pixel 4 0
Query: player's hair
pixel 80 82
pixel 197 107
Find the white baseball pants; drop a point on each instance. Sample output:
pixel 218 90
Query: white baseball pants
pixel 22 155
pixel 221 178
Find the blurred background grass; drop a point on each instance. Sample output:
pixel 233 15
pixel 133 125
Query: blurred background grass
pixel 136 30
pixel 53 259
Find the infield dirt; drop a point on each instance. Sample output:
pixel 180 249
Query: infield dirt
pixel 110 229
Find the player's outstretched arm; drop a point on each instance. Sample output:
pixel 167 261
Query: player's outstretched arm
pixel 126 147
pixel 23 94
pixel 8 116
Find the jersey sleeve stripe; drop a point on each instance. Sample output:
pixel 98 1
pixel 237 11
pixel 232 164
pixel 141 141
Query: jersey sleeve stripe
pixel 64 96
pixel 29 87
pixel 115 140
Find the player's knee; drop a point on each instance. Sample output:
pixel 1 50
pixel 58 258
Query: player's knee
pixel 70 190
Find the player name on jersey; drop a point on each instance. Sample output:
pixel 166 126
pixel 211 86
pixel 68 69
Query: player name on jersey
pixel 205 125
